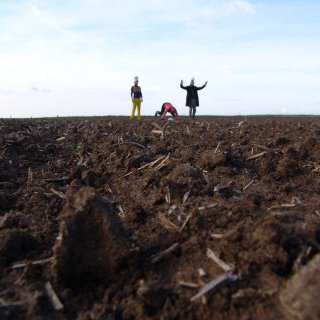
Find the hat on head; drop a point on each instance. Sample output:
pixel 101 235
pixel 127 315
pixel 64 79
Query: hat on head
pixel 136 79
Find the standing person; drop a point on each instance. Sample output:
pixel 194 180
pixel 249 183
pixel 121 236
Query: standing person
pixel 168 107
pixel 192 100
pixel 136 97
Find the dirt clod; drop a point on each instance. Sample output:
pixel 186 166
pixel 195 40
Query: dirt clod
pixel 93 243
pixel 300 295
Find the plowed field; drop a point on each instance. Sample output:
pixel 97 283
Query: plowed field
pixel 102 218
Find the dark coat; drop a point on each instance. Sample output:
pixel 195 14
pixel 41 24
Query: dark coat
pixel 192 93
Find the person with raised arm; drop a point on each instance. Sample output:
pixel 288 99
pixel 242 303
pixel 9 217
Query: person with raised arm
pixel 192 100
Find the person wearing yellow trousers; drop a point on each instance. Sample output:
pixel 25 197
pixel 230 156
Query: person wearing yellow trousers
pixel 136 96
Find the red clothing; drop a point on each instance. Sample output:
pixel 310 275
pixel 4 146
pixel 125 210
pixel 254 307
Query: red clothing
pixel 168 107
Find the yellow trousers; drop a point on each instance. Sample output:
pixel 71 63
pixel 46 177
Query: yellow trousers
pixel 136 104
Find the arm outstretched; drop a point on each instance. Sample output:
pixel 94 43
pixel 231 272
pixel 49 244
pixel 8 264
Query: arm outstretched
pixel 182 86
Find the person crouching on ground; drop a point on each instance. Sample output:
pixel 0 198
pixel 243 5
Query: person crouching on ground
pixel 192 100
pixel 168 107
pixel 136 97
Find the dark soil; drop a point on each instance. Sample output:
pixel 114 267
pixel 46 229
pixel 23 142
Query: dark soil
pixel 90 204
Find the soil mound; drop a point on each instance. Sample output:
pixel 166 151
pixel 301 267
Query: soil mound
pixel 92 243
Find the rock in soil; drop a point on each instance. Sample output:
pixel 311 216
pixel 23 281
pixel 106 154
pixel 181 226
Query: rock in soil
pixel 92 245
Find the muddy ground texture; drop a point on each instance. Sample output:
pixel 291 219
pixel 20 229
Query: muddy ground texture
pixel 102 218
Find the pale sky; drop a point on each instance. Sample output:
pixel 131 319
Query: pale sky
pixel 79 57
